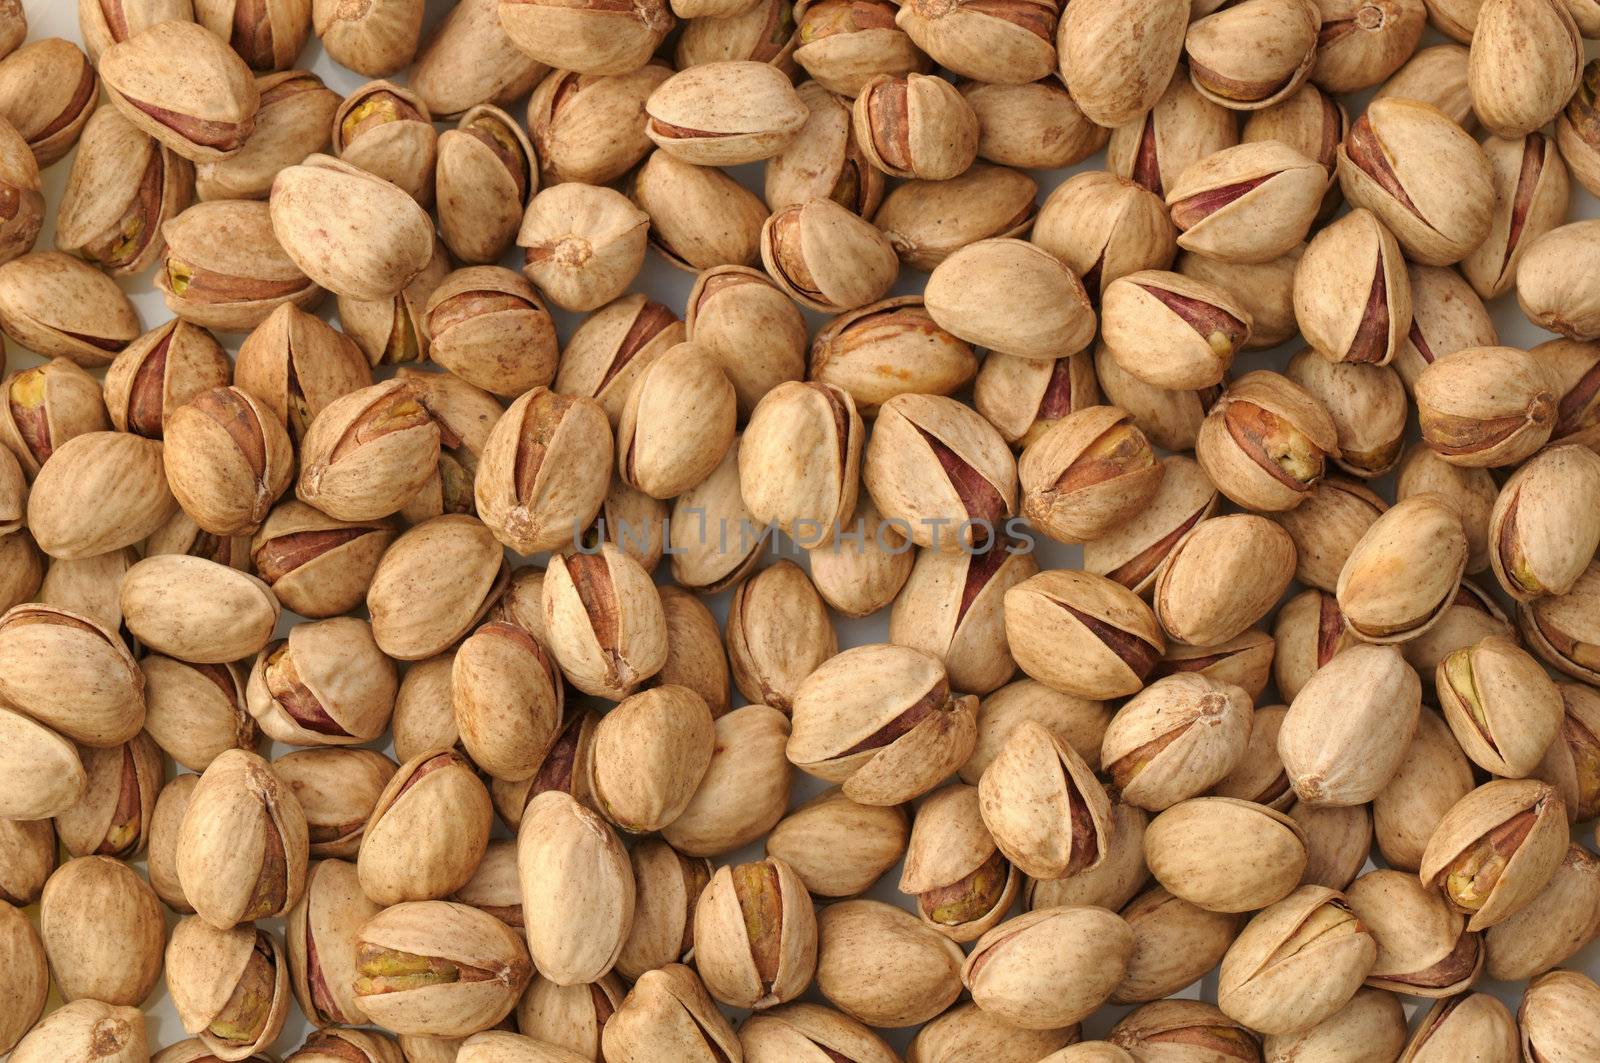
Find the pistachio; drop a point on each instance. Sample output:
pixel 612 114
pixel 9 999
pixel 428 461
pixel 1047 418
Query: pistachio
pixel 976 292
pixel 223 267
pixel 388 132
pixel 112 817
pixel 293 121
pixel 1171 331
pixel 1043 806
pixel 724 113
pixel 1432 776
pixel 48 91
pixel 1223 576
pixel 826 258
pixel 183 85
pixel 428 831
pixel 577 881
pixel 1496 848
pixel 880 965
pixel 1114 635
pixel 604 619
pixel 1422 536
pixel 1485 406
pixel 1116 76
pixel 470 60
pixel 1254 54
pixel 1009 44
pixel 337 789
pixel 119 964
pixel 1226 855
pixel 1175 740
pixel 61 306
pixel 1500 704
pixel 1515 99
pixel 843 43
pixel 1266 441
pixel 1249 203
pixel 1349 726
pixel 1181 128
pixel 927 221
pixel 700 218
pixel 123 188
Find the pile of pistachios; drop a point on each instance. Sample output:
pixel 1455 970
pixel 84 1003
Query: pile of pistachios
pixel 409 658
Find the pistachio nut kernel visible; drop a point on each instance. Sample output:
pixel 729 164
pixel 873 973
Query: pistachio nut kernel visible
pixel 381 970
pixel 248 1009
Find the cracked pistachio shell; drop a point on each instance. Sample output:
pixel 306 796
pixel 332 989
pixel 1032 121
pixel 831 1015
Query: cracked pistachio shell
pixel 1532 195
pixel 1500 704
pixel 740 317
pixel 27 978
pixel 577 889
pixel 1266 441
pixel 1327 526
pixel 755 935
pixel 613 345
pixel 27 860
pixel 926 221
pixel 952 606
pixel 1172 331
pixel 724 113
pixel 112 818
pixel 197 610
pixel 369 452
pixel 888 348
pixel 840 847
pixel 778 633
pixel 268 34
pixel 1526 62
pixel 708 563
pixel 1555 924
pixel 428 831
pixel 103 930
pixel 48 91
pixel 1368 407
pixel 123 187
pixel 1087 475
pixel 1543 523
pixel 355 1046
pixel 1424 177
pixel 1174 943
pixel 318 566
pixel 1470 1023
pixel 183 85
pixel 321 934
pixel 1044 807
pixel 469 60
pixel 1424 949
pixel 800 459
pixel 376 39
pixel 388 132
pixel 1473 491
pixel 1568 764
pixel 669 1015
pixel 1264 290
pixel 961 883
pixel 224 269
pixel 1249 203
pixel 1496 848
pixel 810 1033
pixel 1132 552
pixel 1008 44
pixel 842 45
pixel 391 331
pixel 918 126
pixel 337 789
pixel 826 258
pixel 1245 661
pixel 1113 636
pixel 936 466
pixel 1296 963
pixel 1576 132
pixel 352 232
pixel 824 159
pixel 1349 726
pixel 1360 45
pixel 878 964
pixel 1433 775
pixel 1103 227
pixel 1011 296
pixel 1558 1018
pixel 1111 884
pixel 1183 127
pixel 1022 397
pixel 565 768
pixel 105 24
pixel 1077 722
pixel 297 365
pixel 60 306
pixel 1050 967
pixel 196 711
pixel 700 217
pixel 294 119
pixel 584 244
pixel 85 1031
pixel 1176 739
pixel 1562 631
pixel 44 775
pixel 486 957
pixel 1255 54
pixel 678 423
pixel 166 824
pixel 1421 536
pixel 858 574
pixel 882 721
pixel 1183 1031
pixel 590 128
pixel 745 790
pixel 242 846
pixel 1352 294
pixel 1226 855
pixel 326 684
pixel 571 1017
pixel 487 326
pixel 648 756
pixel 507 697
pixel 1312 122
pixel 545 470
pixel 71 674
pixel 1037 126
pixel 1551 281
pixel 44 407
pixel 1113 74
pixel 160 371
pixel 1485 406
pixel 228 457
pixel 1446 316
pixel 604 621
pixel 1222 577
